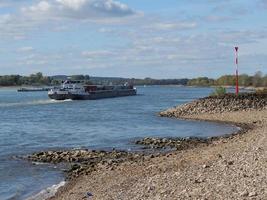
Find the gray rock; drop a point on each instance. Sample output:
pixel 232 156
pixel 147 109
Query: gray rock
pixel 219 104
pixel 252 194
pixel 244 194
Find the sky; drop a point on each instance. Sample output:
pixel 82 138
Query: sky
pixel 133 38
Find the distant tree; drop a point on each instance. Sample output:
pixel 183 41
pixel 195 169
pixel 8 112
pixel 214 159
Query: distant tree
pixel 39 75
pixel 55 82
pixel 245 80
pixel 86 77
pixel 77 77
pixel 256 80
pixel 226 80
pixel 264 81
pixel 39 79
pixel 201 81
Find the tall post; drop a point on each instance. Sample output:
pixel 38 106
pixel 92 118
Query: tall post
pixel 236 71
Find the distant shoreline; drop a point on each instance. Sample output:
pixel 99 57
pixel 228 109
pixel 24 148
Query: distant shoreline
pixel 23 86
pixel 170 85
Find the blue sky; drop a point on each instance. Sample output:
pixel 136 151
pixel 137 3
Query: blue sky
pixel 132 38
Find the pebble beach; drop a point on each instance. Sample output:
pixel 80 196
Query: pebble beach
pixel 231 167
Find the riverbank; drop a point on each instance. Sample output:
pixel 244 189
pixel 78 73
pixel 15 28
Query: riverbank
pixel 225 168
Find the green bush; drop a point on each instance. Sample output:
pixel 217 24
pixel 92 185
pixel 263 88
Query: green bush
pixel 219 91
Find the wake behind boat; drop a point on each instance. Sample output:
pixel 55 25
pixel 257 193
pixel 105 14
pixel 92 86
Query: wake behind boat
pixel 77 91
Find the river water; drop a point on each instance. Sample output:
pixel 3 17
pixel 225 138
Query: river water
pixel 31 122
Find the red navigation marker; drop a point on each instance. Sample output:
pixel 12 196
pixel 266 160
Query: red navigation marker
pixel 236 72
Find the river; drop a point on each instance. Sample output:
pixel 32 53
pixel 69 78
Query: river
pixel 31 122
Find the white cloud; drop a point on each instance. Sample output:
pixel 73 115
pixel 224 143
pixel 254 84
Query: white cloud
pixel 4 19
pixel 32 17
pixel 42 6
pixel 173 26
pixel 197 52
pixel 215 18
pixel 72 4
pixel 32 58
pixel 3 4
pixel 79 9
pixel 25 49
pixel 13 26
pixel 105 30
pixel 96 54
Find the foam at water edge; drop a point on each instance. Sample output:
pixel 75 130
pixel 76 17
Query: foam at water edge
pixel 48 192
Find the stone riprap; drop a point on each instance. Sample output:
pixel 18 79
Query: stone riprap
pixel 84 161
pixel 172 143
pixel 219 104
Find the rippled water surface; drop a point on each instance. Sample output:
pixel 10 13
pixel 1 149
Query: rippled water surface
pixel 31 122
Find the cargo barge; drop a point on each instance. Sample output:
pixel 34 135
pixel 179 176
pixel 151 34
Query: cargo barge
pixel 74 91
pixel 99 92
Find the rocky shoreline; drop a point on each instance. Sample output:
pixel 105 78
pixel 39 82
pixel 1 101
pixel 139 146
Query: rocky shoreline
pixel 122 166
pixel 84 161
pixel 219 104
pixel 172 143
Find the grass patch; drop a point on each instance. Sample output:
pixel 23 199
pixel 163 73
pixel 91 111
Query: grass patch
pixel 218 91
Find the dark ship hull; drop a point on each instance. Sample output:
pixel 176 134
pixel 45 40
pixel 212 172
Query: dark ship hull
pixel 57 96
pixel 102 94
pixel 91 92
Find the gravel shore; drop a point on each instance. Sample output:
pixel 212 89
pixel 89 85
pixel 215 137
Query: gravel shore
pixel 227 168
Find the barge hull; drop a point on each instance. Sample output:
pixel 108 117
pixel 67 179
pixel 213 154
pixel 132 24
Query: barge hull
pixel 103 94
pixel 59 96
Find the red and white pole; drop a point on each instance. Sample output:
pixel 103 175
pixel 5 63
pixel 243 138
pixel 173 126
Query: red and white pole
pixel 236 72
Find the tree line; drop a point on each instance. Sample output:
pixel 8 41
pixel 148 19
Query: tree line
pixel 38 79
pixel 18 80
pixel 256 80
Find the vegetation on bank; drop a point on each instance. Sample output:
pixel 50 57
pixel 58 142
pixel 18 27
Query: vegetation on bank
pixel 219 91
pixel 33 79
pixel 38 79
pixel 257 80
